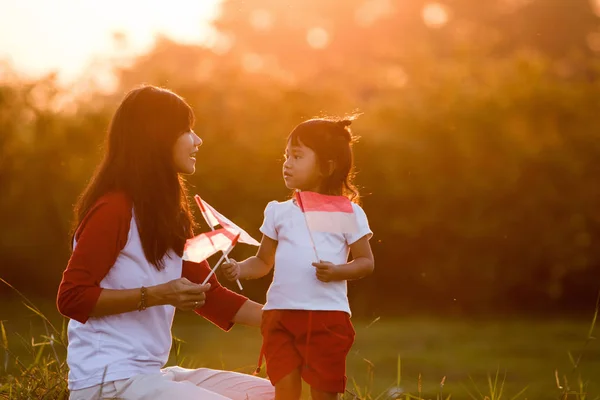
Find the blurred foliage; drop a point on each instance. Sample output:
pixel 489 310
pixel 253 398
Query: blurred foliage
pixel 477 158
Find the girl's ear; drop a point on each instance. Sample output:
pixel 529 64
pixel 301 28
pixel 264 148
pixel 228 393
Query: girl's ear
pixel 331 167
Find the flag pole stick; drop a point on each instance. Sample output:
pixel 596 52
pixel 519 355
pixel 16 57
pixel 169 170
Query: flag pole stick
pixel 223 258
pixel 312 241
pixel 212 228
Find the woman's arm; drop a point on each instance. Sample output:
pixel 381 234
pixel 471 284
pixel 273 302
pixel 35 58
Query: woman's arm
pixel 180 293
pixel 101 236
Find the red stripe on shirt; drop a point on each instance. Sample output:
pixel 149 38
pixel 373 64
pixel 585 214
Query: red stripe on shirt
pixel 100 238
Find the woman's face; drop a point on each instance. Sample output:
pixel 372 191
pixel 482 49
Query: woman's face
pixel 184 152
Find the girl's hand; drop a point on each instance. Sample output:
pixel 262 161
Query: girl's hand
pixel 326 271
pixel 231 270
pixel 180 293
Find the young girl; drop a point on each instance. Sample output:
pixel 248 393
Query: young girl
pixel 125 276
pixel 306 326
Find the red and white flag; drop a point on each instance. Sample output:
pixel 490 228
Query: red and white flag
pixel 214 218
pixel 326 213
pixel 204 245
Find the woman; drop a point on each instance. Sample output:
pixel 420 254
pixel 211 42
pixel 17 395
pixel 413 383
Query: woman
pixel 126 276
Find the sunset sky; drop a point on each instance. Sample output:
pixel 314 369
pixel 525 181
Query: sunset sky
pixel 38 36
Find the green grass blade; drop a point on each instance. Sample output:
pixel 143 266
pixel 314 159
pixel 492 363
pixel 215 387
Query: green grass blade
pixel 39 355
pixel 27 302
pixel 372 322
pixel 520 393
pixel 476 388
pixel 4 337
pixel 595 318
pixel 399 372
pixel 469 392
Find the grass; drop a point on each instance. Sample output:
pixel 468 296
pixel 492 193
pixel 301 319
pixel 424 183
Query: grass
pixel 409 358
pixel 468 359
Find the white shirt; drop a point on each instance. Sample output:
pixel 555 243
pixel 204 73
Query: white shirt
pixel 108 254
pixel 119 346
pixel 295 285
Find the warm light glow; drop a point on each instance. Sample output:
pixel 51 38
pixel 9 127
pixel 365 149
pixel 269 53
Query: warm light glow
pixel 37 36
pixel 372 10
pixel 595 4
pixel 593 41
pixel 435 15
pixel 252 62
pixel 397 77
pixel 261 20
pixel 509 6
pixel 317 38
pixel 220 43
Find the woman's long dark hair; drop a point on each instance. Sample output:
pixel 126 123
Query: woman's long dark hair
pixel 138 161
pixel 331 139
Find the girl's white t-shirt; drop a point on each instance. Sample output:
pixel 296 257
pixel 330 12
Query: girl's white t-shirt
pixel 295 285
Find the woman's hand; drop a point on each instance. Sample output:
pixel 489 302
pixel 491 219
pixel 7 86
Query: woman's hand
pixel 180 293
pixel 231 270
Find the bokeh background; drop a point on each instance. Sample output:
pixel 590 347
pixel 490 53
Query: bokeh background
pixel 477 162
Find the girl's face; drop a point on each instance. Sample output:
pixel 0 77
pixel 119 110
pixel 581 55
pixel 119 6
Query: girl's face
pixel 301 168
pixel 184 152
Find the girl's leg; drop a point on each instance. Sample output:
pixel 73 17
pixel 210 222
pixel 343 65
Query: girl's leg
pixel 324 353
pixel 282 358
pixel 317 394
pixel 289 387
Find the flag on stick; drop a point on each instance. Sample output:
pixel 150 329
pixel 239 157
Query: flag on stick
pixel 326 213
pixel 204 245
pixel 223 258
pixel 214 218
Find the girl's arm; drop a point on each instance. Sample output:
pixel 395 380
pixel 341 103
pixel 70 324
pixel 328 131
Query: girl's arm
pixel 256 266
pixel 223 307
pixel 361 265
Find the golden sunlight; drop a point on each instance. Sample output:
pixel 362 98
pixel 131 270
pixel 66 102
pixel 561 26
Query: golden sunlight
pixel 435 15
pixel 252 62
pixel 593 41
pixel 397 77
pixel 372 10
pixel 595 4
pixel 317 38
pixel 38 36
pixel 261 20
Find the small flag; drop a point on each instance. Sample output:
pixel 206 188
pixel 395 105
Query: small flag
pixel 326 213
pixel 204 245
pixel 214 218
pixel 223 258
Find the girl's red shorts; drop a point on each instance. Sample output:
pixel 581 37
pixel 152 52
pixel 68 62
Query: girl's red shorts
pixel 316 342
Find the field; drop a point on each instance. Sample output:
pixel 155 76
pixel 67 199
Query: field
pixel 390 356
